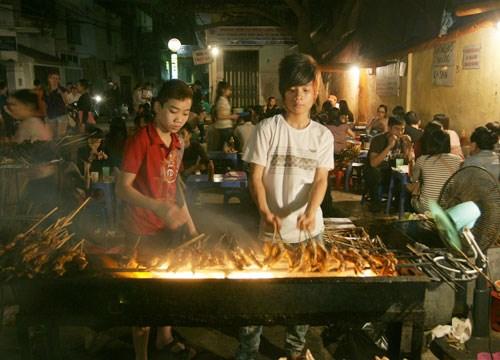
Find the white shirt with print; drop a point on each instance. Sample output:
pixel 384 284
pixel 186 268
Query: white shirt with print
pixel 290 157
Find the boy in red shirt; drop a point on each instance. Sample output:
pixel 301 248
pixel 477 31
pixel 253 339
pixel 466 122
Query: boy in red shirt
pixel 147 184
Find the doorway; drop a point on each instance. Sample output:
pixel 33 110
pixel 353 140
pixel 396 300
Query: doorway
pixel 241 70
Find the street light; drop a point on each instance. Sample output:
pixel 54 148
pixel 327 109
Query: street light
pixel 214 51
pixel 174 45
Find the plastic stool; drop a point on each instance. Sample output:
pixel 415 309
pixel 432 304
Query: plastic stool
pixel 349 172
pixel 403 180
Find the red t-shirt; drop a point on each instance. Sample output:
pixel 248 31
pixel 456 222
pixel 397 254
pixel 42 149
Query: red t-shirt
pixel 156 167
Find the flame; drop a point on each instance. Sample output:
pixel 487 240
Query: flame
pixel 236 274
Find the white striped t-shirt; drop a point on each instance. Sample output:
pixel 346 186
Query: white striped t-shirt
pixel 433 172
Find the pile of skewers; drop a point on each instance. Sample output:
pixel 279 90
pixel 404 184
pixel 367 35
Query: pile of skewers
pixel 339 251
pixel 28 153
pixel 51 251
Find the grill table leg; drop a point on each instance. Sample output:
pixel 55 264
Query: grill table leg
pixel 53 345
pixel 23 340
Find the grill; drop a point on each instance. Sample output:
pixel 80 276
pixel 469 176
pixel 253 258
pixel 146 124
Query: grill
pixel 128 297
pixel 104 302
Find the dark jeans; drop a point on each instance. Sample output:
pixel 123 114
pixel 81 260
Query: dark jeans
pixel 295 340
pixel 375 180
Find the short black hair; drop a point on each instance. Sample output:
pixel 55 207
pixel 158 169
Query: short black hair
pixel 174 89
pixel 437 142
pixel 398 111
pixel 492 125
pixel 443 120
pixel 84 83
pixel 395 120
pixel 36 82
pixel 383 106
pixel 26 97
pixel 484 138
pixel 296 70
pixel 411 118
pixel 53 72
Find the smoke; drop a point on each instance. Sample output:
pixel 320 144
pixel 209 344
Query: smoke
pixel 239 221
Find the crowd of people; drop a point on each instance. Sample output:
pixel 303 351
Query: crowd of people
pixel 290 151
pixel 433 154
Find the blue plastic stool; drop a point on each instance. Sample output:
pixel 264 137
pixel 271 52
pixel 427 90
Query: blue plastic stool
pixel 402 178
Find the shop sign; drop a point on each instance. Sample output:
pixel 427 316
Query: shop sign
pixel 201 57
pixel 471 57
pixel 248 35
pixel 443 65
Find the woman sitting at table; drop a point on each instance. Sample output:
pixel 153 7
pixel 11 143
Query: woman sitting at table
pixel 432 169
pixel 379 124
pixel 340 130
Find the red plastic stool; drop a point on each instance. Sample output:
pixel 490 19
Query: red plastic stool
pixel 495 310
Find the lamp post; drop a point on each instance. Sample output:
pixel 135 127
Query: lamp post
pixel 174 45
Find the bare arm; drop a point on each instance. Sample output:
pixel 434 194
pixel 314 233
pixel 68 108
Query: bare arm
pixel 171 214
pixel 306 221
pixel 258 192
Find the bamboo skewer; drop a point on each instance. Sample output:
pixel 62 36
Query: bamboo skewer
pixel 190 242
pixel 72 216
pixel 34 226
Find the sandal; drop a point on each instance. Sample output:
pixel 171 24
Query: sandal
pixel 175 350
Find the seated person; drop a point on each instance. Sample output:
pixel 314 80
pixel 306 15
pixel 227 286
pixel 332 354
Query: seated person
pixel 420 146
pixel 378 125
pixel 384 149
pixel 92 157
pixel 495 127
pixel 115 141
pixel 340 130
pixel 483 142
pixel 433 169
pixel 271 108
pixel 195 157
pixel 456 147
pixel 412 128
pixel 244 131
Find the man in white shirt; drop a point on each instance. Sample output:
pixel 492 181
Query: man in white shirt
pixel 290 156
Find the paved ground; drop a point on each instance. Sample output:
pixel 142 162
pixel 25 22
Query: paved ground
pixel 82 343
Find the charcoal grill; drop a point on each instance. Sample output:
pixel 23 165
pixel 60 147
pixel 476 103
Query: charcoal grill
pixel 110 301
